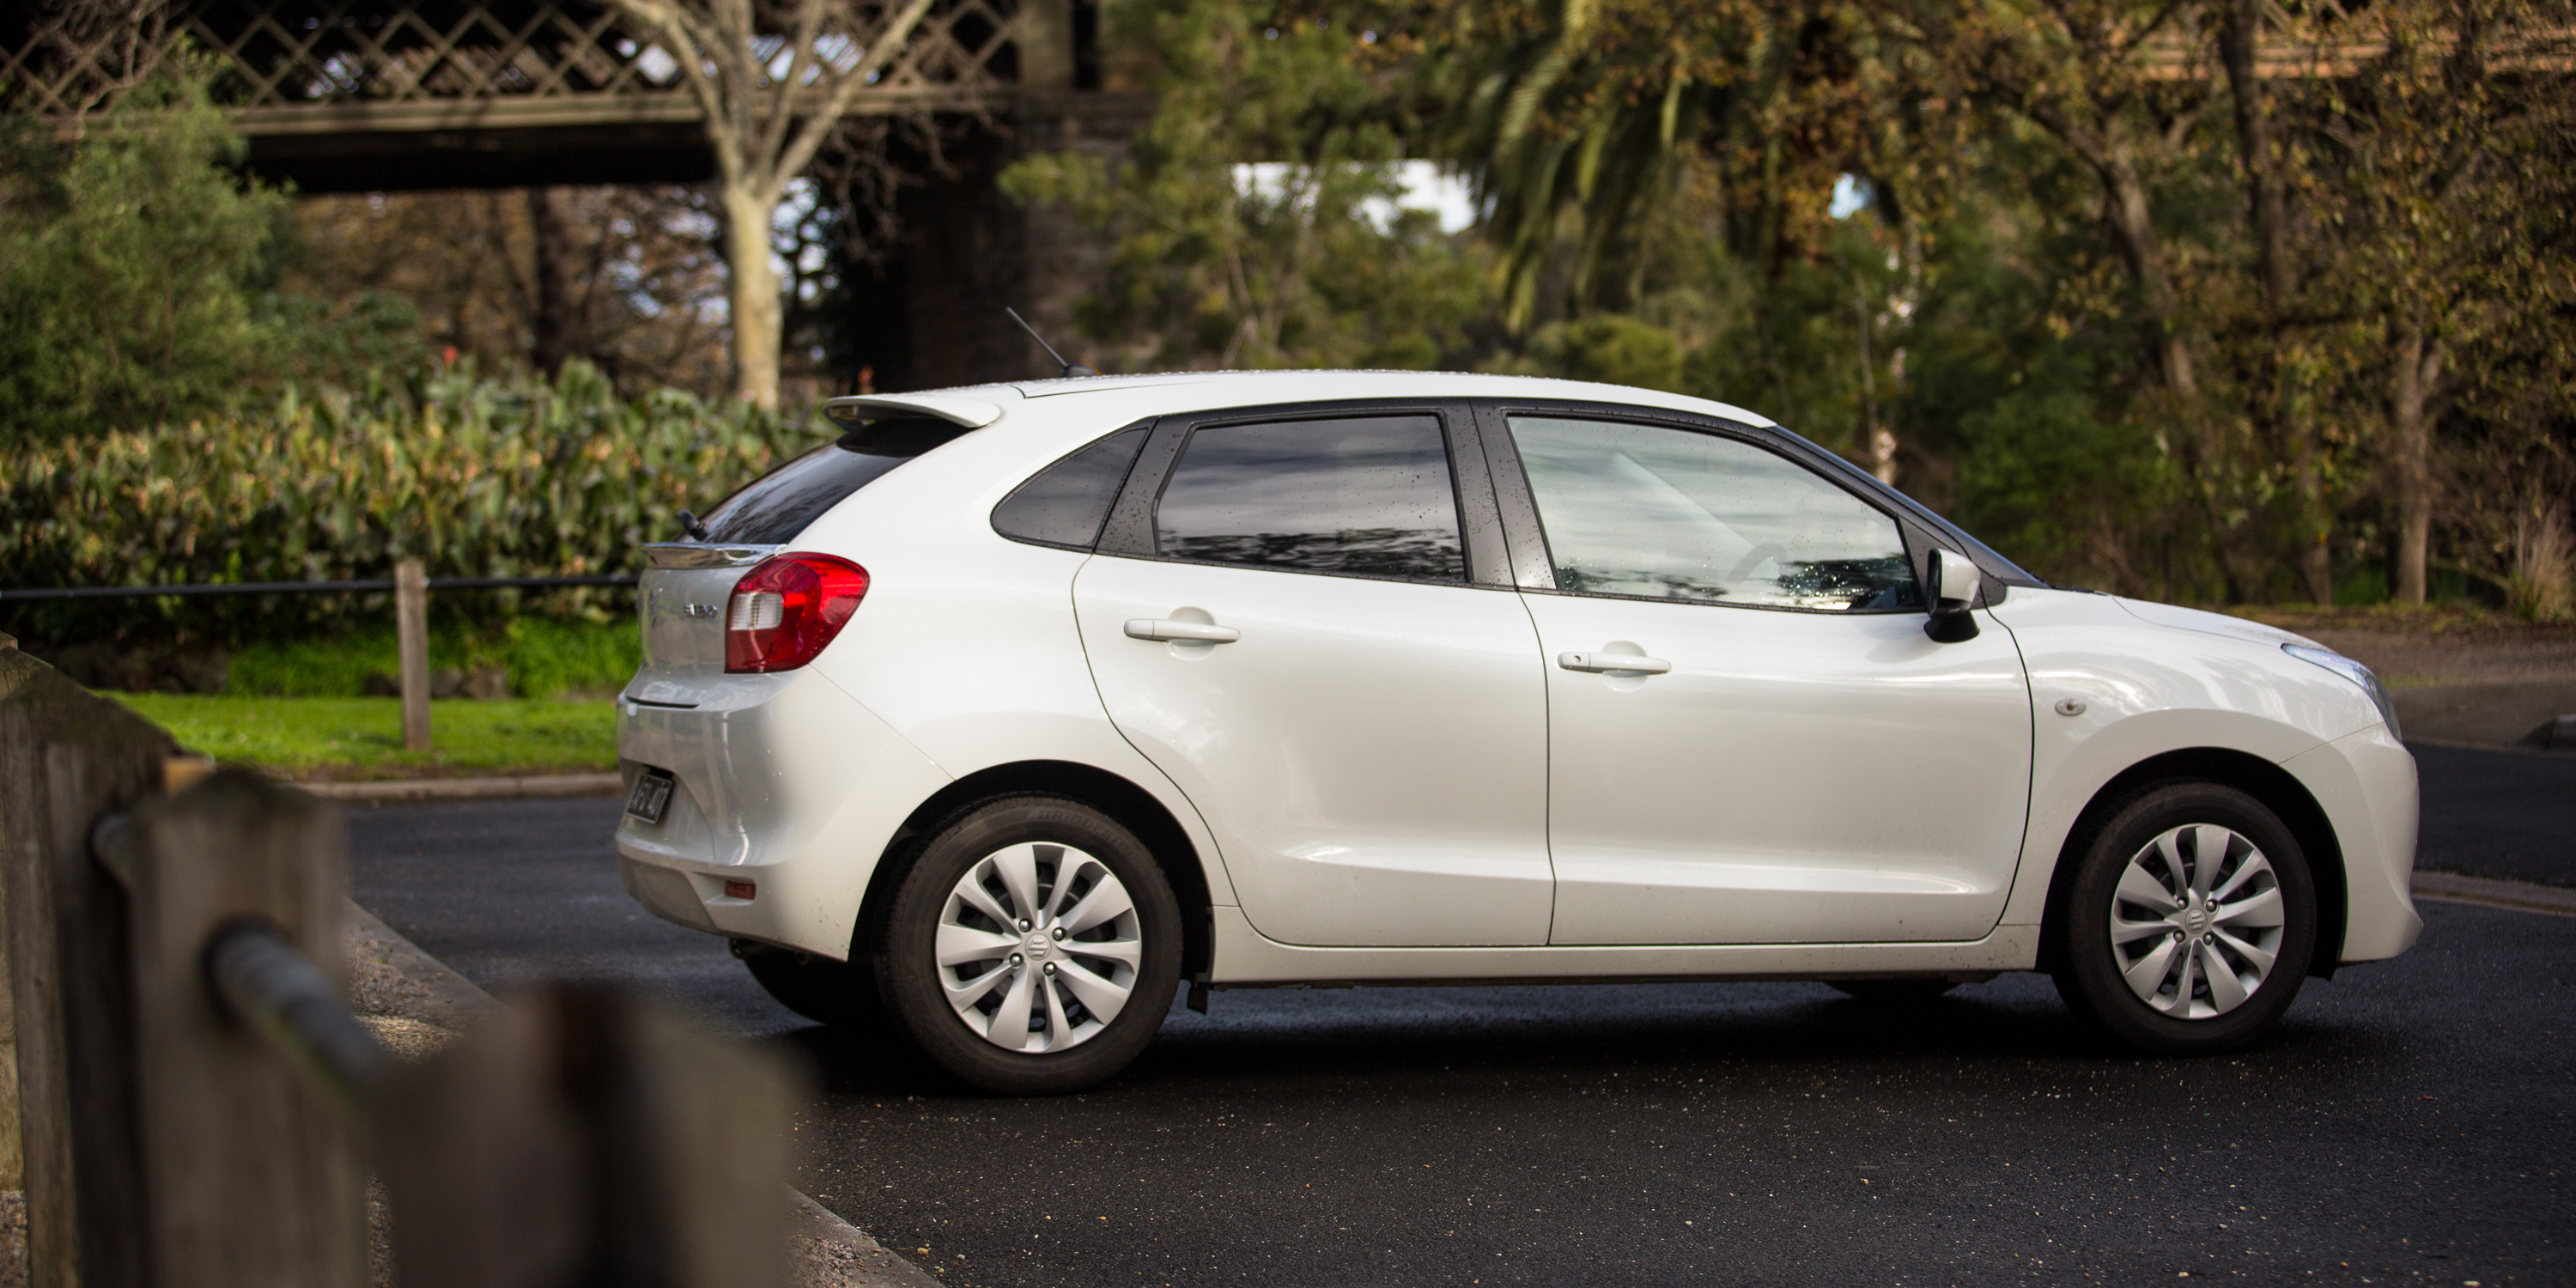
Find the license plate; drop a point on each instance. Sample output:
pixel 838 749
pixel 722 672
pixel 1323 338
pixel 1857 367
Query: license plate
pixel 651 795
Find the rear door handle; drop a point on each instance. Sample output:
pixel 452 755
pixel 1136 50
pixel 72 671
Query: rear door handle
pixel 1157 628
pixel 1604 663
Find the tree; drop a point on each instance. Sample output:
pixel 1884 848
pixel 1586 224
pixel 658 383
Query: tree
pixel 629 279
pixel 2443 169
pixel 1279 263
pixel 774 80
pixel 1607 135
pixel 132 267
pixel 2281 413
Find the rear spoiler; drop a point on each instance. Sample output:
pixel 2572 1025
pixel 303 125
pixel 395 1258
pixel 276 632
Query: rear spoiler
pixel 956 411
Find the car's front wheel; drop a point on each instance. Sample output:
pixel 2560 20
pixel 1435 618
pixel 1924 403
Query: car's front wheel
pixel 2190 921
pixel 1033 946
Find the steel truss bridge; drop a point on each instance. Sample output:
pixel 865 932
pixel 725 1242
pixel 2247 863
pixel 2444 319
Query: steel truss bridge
pixel 358 95
pixel 391 95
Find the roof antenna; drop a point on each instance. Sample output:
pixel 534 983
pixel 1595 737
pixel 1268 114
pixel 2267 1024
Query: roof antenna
pixel 1071 369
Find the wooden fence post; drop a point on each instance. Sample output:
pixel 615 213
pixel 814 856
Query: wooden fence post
pixel 411 637
pixel 587 1137
pixel 67 757
pixel 251 1172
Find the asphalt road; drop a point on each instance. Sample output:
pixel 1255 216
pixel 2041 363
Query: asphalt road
pixel 2503 814
pixel 2411 1123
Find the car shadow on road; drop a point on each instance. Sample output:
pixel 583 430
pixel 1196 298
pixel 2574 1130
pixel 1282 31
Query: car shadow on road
pixel 1278 1041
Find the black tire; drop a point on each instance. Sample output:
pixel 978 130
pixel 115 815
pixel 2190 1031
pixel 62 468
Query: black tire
pixel 2090 967
pixel 1895 992
pixel 842 995
pixel 911 977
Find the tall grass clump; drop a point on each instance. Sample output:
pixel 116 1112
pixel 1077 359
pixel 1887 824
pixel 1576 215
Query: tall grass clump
pixel 471 476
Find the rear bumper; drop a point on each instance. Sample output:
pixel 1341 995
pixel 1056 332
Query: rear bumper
pixel 2365 782
pixel 785 782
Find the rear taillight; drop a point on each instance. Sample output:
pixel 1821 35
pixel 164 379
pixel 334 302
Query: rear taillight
pixel 786 609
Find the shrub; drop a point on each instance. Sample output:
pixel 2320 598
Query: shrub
pixel 472 477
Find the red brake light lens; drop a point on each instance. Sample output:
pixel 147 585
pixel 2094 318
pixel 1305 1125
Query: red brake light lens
pixel 787 608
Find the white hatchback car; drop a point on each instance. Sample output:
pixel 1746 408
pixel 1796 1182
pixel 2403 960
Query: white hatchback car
pixel 1020 705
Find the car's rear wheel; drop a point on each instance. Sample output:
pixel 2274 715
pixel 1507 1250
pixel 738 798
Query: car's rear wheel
pixel 1032 947
pixel 2189 923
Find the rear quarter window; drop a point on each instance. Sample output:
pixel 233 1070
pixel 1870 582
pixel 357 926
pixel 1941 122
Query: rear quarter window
pixel 1065 503
pixel 788 499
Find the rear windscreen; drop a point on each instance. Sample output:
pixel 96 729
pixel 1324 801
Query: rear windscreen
pixel 788 499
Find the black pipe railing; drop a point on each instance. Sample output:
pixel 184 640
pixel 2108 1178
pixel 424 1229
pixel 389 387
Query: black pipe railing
pixel 272 989
pixel 277 992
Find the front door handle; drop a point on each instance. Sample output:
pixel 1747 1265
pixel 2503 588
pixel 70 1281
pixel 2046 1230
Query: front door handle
pixel 1157 628
pixel 1607 663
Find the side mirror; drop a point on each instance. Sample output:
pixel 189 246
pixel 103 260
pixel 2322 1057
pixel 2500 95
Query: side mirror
pixel 1952 587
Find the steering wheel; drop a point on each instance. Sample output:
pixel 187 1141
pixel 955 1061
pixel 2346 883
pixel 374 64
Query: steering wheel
pixel 1753 559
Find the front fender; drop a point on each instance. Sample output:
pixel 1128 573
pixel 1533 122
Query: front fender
pixel 2110 690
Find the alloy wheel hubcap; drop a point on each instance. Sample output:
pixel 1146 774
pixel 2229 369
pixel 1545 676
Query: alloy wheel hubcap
pixel 1038 947
pixel 2196 921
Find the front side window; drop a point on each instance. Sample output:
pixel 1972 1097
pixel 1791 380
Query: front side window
pixel 1367 496
pixel 1665 513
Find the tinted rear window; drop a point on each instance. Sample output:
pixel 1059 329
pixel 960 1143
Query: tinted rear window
pixel 1065 503
pixel 1366 497
pixel 788 499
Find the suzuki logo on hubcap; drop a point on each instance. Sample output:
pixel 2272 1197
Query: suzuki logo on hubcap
pixel 1035 945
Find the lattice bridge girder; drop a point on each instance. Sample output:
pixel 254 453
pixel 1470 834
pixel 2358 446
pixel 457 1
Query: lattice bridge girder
pixel 355 94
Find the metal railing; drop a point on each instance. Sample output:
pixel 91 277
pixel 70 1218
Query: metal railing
pixel 12 593
pixel 410 586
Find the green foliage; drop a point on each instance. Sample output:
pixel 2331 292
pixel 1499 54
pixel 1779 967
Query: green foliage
pixel 2136 332
pixel 309 343
pixel 345 738
pixel 1284 271
pixel 1610 348
pixel 552 658
pixel 474 478
pixel 127 270
pixel 138 275
pixel 544 656
pixel 2045 477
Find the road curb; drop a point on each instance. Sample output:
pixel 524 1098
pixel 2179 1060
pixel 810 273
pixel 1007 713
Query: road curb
pixel 830 1252
pixel 850 1259
pixel 432 990
pixel 2521 896
pixel 528 787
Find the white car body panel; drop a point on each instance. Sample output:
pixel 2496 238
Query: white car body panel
pixel 1244 956
pixel 967 655
pixel 2366 783
pixel 1373 753
pixel 1796 777
pixel 966 645
pixel 2166 679
pixel 765 795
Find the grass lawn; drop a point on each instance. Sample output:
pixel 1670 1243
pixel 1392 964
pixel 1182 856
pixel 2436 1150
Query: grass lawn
pixel 349 738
